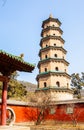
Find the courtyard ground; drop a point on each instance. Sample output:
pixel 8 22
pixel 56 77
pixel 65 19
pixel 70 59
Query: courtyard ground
pixel 44 127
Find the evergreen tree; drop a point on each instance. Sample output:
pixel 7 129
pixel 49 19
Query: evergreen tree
pixel 77 82
pixel 15 88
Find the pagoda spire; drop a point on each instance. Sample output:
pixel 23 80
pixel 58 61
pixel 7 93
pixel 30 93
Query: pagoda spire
pixel 50 16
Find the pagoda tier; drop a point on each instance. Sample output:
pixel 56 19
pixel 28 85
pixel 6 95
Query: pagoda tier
pixel 53 61
pixel 55 39
pixel 51 22
pixel 48 29
pixel 47 48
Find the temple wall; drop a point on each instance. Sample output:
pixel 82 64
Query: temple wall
pixel 60 112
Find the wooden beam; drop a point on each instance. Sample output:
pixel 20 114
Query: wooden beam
pixel 4 78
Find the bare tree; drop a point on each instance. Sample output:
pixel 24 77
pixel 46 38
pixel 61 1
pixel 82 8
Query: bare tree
pixel 43 105
pixel 74 113
pixel 42 101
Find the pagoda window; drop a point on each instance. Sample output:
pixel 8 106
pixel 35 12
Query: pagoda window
pixel 65 70
pixel 52 111
pixel 45 84
pixel 67 85
pixel 58 84
pixel 46 56
pixel 54 44
pixel 53 25
pixel 56 69
pixel 63 57
pixel 45 69
pixel 55 55
pixel 69 109
pixel 54 34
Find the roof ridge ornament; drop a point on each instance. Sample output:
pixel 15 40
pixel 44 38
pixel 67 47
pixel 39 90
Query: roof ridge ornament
pixel 21 56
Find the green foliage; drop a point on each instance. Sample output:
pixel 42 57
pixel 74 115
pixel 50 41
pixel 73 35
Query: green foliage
pixel 14 75
pixel 19 90
pixel 77 82
pixel 15 88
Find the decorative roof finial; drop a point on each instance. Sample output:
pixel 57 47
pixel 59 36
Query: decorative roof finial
pixel 50 16
pixel 21 56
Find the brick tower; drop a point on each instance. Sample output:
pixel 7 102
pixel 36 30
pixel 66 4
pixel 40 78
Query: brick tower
pixel 53 76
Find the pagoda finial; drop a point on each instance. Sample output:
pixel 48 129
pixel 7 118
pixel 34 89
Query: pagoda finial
pixel 50 16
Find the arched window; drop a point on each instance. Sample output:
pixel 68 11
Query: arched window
pixel 46 56
pixel 57 84
pixel 45 69
pixel 46 45
pixel 55 55
pixel 45 84
pixel 54 34
pixel 56 68
pixel 67 85
pixel 63 57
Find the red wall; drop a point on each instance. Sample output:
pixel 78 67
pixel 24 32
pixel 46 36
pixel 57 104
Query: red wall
pixel 61 115
pixel 27 113
pixel 24 114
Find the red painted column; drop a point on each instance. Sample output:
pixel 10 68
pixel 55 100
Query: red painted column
pixel 4 103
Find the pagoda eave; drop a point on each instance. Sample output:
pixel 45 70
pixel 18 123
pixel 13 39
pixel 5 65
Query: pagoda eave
pixel 53 48
pixel 55 73
pixel 54 60
pixel 50 20
pixel 56 89
pixel 51 37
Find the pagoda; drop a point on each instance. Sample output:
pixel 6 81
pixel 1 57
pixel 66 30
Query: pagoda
pixel 53 77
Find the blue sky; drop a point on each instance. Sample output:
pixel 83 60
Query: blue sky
pixel 20 28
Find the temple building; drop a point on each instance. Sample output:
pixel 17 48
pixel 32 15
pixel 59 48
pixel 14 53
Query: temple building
pixel 53 74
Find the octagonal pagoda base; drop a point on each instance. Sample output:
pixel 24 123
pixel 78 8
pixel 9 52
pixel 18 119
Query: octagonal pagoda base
pixel 56 94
